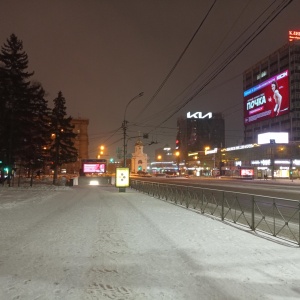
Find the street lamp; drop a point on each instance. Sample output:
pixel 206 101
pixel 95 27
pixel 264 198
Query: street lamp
pixel 159 157
pixel 124 126
pixel 177 153
pixel 101 152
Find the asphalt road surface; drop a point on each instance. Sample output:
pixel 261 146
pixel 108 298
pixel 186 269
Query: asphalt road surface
pixel 279 188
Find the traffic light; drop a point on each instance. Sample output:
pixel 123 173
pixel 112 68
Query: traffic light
pixel 177 144
pixel 111 160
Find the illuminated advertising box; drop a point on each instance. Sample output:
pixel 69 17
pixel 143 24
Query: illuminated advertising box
pixel 294 35
pixel 94 167
pixel 268 99
pixel 247 172
pixel 276 137
pixel 122 177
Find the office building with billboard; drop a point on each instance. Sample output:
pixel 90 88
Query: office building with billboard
pixel 271 102
pixel 272 94
pixel 271 98
pixel 199 131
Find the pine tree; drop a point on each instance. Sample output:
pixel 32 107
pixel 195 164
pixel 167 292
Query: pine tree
pixel 3 120
pixel 36 152
pixel 24 111
pixel 15 100
pixel 62 148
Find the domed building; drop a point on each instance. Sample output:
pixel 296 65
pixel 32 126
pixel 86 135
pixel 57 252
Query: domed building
pixel 139 159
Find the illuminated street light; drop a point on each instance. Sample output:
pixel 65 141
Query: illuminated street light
pixel 159 157
pixel 177 153
pixel 101 151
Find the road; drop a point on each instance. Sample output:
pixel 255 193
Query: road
pixel 279 188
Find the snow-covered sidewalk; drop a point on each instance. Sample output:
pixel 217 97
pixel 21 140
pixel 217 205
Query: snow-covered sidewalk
pixel 96 243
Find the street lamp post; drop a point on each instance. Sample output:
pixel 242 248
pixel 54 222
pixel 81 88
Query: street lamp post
pixel 178 161
pixel 101 152
pixel 159 157
pixel 124 126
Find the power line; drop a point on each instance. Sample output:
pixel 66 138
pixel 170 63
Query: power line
pixel 178 60
pixel 232 56
pixel 167 107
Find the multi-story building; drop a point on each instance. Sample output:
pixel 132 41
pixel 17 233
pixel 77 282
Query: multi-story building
pixel 165 153
pixel 81 143
pixel 165 161
pixel 271 110
pixel 272 94
pixel 198 132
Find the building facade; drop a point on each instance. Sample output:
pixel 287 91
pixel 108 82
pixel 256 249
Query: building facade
pixel 280 69
pixel 198 132
pixel 139 159
pixel 271 108
pixel 81 143
pixel 165 161
pixel 278 160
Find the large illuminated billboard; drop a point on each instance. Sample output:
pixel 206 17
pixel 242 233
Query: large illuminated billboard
pixel 276 137
pixel 247 172
pixel 94 168
pixel 97 166
pixel 268 99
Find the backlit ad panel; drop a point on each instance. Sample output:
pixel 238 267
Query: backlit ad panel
pixel 268 99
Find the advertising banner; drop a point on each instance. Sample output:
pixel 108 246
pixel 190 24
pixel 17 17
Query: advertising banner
pixel 94 168
pixel 268 99
pixel 122 177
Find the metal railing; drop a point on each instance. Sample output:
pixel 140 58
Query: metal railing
pixel 277 217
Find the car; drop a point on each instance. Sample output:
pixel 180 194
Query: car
pixel 170 174
pixel 143 174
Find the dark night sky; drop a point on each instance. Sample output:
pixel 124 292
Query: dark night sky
pixel 101 53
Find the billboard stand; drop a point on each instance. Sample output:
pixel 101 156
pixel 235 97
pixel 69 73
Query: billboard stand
pixel 122 179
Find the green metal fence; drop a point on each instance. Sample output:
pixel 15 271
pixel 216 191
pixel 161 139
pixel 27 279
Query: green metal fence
pixel 277 217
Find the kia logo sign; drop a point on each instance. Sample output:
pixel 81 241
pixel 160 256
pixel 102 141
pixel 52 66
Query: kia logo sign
pixel 199 115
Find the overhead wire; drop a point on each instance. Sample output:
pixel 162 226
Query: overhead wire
pixel 167 107
pixel 232 56
pixel 178 60
pixel 214 73
pixel 209 63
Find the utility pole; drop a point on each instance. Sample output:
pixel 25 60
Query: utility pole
pixel 124 127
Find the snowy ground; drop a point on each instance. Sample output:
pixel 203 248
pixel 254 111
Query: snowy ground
pixel 96 243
